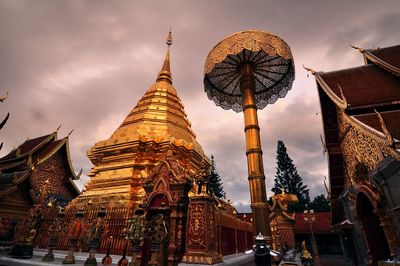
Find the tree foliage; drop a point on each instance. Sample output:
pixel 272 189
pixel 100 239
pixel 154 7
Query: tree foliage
pixel 288 179
pixel 214 181
pixel 320 204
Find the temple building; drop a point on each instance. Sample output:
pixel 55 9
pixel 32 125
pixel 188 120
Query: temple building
pixel 36 180
pixel 39 171
pixel 152 164
pixel 361 120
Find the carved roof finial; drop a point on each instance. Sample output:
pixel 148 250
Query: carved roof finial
pixel 4 97
pixel 389 138
pixel 342 95
pixel 80 173
pixel 312 71
pixel 326 188
pixel 324 149
pixel 361 50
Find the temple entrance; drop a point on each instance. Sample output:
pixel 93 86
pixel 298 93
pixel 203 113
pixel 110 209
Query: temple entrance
pixel 155 246
pixel 378 248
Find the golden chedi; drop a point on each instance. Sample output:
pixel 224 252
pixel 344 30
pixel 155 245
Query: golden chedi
pixel 157 123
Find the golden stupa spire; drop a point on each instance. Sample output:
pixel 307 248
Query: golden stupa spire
pixel 165 73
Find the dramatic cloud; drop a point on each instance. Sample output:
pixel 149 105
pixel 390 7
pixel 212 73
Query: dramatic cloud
pixel 85 64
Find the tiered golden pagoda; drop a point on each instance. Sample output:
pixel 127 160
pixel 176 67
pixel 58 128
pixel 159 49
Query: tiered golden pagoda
pixel 157 123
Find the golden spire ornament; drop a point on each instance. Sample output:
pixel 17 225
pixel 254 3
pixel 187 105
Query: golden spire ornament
pixel 165 73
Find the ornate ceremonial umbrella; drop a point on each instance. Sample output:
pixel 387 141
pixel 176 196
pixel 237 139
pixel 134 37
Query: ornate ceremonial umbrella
pixel 245 72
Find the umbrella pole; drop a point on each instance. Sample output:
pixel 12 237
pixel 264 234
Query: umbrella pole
pixel 256 177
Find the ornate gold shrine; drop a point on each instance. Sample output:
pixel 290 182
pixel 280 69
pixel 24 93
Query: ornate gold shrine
pixel 156 124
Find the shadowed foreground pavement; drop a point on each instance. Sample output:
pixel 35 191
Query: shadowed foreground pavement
pixel 80 258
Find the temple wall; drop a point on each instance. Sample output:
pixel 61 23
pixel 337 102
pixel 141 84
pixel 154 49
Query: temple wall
pixel 229 241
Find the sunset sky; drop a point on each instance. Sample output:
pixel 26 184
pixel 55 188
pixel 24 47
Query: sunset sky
pixel 85 64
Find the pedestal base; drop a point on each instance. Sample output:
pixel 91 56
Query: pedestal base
pixel 69 260
pixel 5 247
pixel 22 251
pixel 90 262
pixel 48 257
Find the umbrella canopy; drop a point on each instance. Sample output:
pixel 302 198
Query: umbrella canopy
pixel 271 61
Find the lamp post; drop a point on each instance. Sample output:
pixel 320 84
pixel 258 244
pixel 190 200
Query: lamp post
pixel 220 228
pixel 309 217
pixel 236 242
pixel 245 231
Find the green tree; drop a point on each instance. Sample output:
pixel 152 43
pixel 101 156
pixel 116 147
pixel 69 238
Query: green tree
pixel 287 178
pixel 214 181
pixel 320 204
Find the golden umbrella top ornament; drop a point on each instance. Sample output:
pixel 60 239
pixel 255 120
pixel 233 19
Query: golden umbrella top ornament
pixel 245 72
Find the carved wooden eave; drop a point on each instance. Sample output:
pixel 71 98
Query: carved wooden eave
pixel 176 177
pixel 389 139
pixel 12 165
pixel 369 56
pixel 379 62
pixel 374 134
pixel 63 143
pixel 340 102
pixel 31 159
pixel 17 178
pixel 7 191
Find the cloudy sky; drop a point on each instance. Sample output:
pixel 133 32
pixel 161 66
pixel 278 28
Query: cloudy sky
pixel 85 64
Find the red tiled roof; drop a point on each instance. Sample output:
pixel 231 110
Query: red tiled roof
pixel 46 150
pixel 392 121
pixel 363 86
pixel 389 55
pixel 27 146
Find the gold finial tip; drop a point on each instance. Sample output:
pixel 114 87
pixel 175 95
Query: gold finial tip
pixel 169 38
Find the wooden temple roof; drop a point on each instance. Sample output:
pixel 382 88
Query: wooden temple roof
pixel 362 87
pixel 19 163
pixel 370 96
pixel 387 58
pixel 28 147
pixel 392 121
